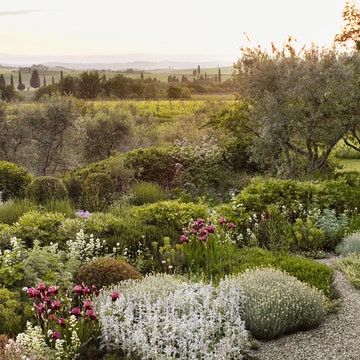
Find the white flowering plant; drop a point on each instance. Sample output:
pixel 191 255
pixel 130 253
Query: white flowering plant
pixel 166 317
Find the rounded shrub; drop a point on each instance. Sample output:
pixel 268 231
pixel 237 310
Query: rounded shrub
pixel 106 271
pixel 349 245
pixel 98 192
pixel 13 180
pixel 13 313
pixel 278 304
pixel 147 193
pixel 46 188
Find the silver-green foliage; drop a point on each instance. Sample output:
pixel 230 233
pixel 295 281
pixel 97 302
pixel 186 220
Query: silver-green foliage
pixel 350 244
pixel 278 304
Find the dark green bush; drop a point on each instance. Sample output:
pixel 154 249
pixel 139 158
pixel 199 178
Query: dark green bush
pixel 46 188
pixel 152 165
pixel 98 192
pixel 13 180
pixel 106 271
pixel 147 193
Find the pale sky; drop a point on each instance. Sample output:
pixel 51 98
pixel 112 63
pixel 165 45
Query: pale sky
pixel 167 29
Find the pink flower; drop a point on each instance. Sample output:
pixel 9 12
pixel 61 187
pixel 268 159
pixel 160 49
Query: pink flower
pixel 91 314
pixel 41 287
pixel 40 308
pixel 62 322
pixel 115 295
pixel 87 305
pixel 184 239
pixel 203 238
pixel 78 289
pixel 56 335
pixel 231 226
pixel 223 221
pixel 200 221
pixel 32 292
pixel 86 290
pixel 56 305
pixel 210 229
pixel 52 290
pixel 75 311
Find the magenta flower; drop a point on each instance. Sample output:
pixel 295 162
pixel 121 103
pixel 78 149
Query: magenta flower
pixel 75 311
pixel 91 314
pixel 52 290
pixel 86 290
pixel 62 322
pixel 88 305
pixel 184 239
pixel 115 295
pixel 78 289
pixel 231 226
pixel 40 308
pixel 41 287
pixel 210 229
pixel 203 238
pixel 56 335
pixel 56 305
pixel 223 221
pixel 32 292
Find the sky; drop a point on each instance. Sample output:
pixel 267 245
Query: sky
pixel 154 30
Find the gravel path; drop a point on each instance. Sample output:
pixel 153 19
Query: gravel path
pixel 338 338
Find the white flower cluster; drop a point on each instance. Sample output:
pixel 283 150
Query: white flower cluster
pixel 163 317
pixel 86 248
pixel 277 303
pixel 13 255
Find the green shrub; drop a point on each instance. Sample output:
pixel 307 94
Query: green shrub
pixel 349 245
pixel 147 193
pixel 153 165
pixel 11 211
pixel 98 192
pixel 46 188
pixel 171 213
pixel 40 226
pixel 106 271
pixel 13 180
pixel 13 312
pixel 277 304
pixel 350 265
pixel 60 206
pixel 45 264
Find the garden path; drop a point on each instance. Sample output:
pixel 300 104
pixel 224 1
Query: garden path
pixel 338 338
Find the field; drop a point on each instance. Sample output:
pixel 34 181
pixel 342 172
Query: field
pixel 349 164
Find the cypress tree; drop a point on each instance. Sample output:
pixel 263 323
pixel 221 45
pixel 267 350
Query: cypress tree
pixel 2 82
pixel 35 80
pixel 142 76
pixel 198 70
pixel 52 80
pixel 219 76
pixel 44 81
pixel 12 81
pixel 61 75
pixel 21 86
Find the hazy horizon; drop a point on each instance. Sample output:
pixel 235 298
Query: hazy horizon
pixel 87 31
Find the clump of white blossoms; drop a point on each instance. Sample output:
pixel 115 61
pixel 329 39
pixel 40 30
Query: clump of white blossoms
pixel 165 317
pixel 277 303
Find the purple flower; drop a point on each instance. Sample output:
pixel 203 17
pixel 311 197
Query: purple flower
pixel 84 214
pixel 52 290
pixel 62 322
pixel 40 308
pixel 88 305
pixel 231 226
pixel 41 287
pixel 210 229
pixel 78 289
pixel 56 305
pixel 223 221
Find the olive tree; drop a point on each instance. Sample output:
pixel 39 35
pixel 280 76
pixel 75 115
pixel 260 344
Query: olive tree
pixel 297 106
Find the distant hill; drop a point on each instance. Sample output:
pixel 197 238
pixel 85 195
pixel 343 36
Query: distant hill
pixel 138 65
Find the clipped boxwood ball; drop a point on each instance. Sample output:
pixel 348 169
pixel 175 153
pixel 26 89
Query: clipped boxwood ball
pixel 46 188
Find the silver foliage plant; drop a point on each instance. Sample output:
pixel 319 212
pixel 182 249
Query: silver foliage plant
pixel 164 317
